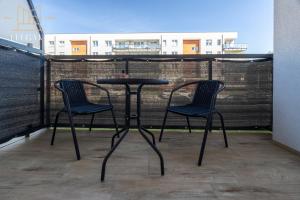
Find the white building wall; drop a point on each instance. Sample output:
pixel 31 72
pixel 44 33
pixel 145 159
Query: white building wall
pixel 17 23
pixel 102 49
pixel 286 107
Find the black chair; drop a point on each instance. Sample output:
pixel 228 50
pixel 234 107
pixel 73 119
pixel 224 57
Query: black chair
pixel 76 103
pixel 203 105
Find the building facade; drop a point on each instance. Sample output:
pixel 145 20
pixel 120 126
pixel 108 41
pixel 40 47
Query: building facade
pixel 143 43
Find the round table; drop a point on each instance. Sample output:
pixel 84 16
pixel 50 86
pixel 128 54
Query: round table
pixel 127 82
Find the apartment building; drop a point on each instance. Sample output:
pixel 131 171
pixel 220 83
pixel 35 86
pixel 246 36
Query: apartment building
pixel 143 43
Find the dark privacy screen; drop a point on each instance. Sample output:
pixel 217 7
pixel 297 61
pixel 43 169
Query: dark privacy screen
pixel 19 95
pixel 246 101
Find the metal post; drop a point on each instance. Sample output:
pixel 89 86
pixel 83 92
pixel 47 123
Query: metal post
pixel 42 93
pixel 272 99
pixel 127 67
pixel 48 88
pixel 210 63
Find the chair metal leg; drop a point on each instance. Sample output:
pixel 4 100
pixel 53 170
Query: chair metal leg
pixel 163 126
pixel 109 154
pixel 204 140
pixel 188 122
pixel 54 128
pixel 74 136
pixel 92 121
pixel 223 128
pixel 211 123
pixel 115 122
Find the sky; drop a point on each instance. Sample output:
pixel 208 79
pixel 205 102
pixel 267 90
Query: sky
pixel 252 19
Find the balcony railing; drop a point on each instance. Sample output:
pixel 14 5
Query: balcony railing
pixel 137 48
pixel 246 102
pixel 22 90
pixel 242 47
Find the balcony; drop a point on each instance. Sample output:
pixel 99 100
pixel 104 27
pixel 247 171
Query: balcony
pixel 260 104
pixel 235 47
pixel 251 166
pixel 136 49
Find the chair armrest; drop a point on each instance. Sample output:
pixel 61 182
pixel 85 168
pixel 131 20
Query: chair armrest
pixel 179 87
pixel 57 86
pixel 66 98
pixel 222 86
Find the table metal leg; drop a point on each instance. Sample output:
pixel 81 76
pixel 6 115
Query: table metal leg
pixel 109 154
pixel 150 133
pixel 125 130
pixel 162 167
pixel 142 130
pixel 116 135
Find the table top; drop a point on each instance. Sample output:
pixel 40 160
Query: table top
pixel 132 81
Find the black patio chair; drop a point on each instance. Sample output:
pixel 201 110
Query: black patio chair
pixel 76 103
pixel 203 105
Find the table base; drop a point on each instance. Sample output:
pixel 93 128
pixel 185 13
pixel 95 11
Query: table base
pixel 122 133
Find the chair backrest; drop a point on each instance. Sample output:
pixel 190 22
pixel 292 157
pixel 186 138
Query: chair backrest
pixel 206 93
pixel 74 90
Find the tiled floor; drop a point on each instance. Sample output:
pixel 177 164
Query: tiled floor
pixel 252 168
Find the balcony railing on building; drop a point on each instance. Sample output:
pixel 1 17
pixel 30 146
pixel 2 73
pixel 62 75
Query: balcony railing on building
pixel 136 48
pixel 235 47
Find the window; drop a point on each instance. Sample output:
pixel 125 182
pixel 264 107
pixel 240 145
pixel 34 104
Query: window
pixel 108 53
pixel 229 41
pixel 51 42
pixel 76 49
pixel 95 43
pixel 195 49
pixel 164 43
pixel 121 44
pixel 153 44
pixel 95 53
pixel 164 53
pixel 208 42
pixel 219 42
pixel 61 42
pixel 174 52
pixel 208 52
pixel 137 44
pixel 61 53
pixel 219 52
pixel 174 43
pixel 108 43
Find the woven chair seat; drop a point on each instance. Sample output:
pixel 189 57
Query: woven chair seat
pixel 89 108
pixel 190 110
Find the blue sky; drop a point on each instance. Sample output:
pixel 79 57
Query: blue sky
pixel 252 19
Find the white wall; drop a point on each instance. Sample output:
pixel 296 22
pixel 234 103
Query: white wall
pixel 102 49
pixel 17 23
pixel 286 108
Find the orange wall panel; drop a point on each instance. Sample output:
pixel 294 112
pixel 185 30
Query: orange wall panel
pixel 79 47
pixel 191 46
